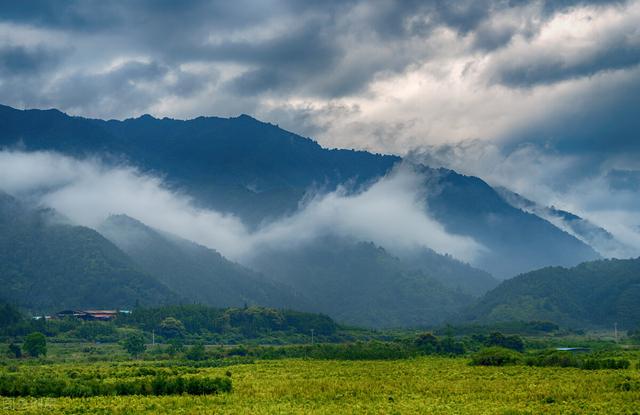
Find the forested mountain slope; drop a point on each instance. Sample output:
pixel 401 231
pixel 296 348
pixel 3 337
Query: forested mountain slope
pixel 598 293
pixel 46 265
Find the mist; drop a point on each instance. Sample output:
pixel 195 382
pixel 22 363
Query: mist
pixel 576 183
pixel 391 212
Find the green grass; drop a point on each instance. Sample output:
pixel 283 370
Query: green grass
pixel 435 385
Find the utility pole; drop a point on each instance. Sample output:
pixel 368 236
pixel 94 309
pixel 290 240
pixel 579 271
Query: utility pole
pixel 615 331
pixel 153 338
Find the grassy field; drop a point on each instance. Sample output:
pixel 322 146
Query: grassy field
pixel 435 385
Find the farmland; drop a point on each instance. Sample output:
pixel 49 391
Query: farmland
pixel 419 385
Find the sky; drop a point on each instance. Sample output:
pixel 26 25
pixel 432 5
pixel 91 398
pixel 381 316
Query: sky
pixel 538 96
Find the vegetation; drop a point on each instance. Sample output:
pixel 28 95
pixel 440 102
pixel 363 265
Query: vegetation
pixel 134 344
pixel 578 297
pixel 362 284
pixel 55 385
pixel 35 344
pixel 194 271
pixel 47 265
pixel 434 385
pixel 495 356
pixel 448 370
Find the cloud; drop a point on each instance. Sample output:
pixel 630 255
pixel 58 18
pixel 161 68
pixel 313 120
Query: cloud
pixel 390 213
pixel 571 45
pixel 588 187
pixel 552 87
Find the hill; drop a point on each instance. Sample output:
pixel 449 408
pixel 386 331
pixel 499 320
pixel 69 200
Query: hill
pixel 46 265
pixel 362 284
pixel 598 293
pixel 194 271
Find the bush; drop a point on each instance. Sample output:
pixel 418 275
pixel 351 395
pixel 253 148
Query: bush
pixel 554 358
pixel 495 356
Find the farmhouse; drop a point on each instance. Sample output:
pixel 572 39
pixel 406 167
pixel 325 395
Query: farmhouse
pixel 102 315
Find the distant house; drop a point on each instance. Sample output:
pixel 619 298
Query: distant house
pixel 89 315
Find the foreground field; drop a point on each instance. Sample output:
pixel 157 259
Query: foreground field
pixel 424 385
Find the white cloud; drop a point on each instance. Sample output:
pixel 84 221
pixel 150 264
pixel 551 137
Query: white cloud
pixel 390 213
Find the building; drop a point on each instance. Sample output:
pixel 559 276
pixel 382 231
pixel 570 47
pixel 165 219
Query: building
pixel 89 315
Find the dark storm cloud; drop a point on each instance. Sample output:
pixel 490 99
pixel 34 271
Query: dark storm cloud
pixel 257 50
pixel 620 53
pixel 23 61
pixel 597 123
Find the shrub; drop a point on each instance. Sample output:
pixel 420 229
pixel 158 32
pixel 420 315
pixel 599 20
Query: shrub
pixel 554 358
pixel 495 356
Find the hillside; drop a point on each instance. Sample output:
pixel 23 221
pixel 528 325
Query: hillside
pixel 597 237
pixel 194 271
pixel 451 273
pixel 361 284
pixel 46 265
pixel 598 293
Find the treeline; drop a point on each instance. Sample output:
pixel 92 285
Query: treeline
pixel 500 356
pixel 190 322
pixel 248 321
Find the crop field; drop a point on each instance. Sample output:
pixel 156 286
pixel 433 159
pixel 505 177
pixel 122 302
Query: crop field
pixel 436 385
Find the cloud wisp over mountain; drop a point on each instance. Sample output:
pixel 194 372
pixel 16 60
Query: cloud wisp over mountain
pixel 391 212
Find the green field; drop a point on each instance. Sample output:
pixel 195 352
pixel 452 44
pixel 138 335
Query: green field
pixel 436 385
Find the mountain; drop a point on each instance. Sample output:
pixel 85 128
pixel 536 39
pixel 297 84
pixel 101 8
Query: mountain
pixel 516 241
pixel 597 237
pixel 362 284
pixel 193 271
pixel 258 172
pixel 46 265
pixel 229 164
pixel 598 293
pixel 450 272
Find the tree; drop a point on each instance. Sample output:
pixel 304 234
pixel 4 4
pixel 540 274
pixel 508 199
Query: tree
pixel 35 344
pixel 134 344
pixel 171 328
pixel 15 351
pixel 427 343
pixel 196 352
pixel 510 342
pixel 176 346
